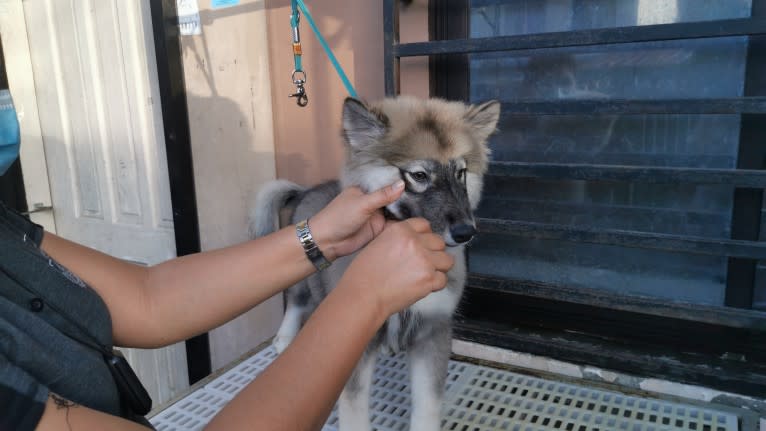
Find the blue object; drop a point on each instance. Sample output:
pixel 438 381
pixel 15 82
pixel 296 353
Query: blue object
pixel 9 132
pixel 216 4
pixel 294 22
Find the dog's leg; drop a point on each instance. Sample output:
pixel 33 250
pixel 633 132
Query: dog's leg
pixel 298 307
pixel 354 402
pixel 429 358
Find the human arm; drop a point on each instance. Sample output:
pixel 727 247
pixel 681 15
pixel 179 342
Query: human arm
pixel 298 390
pixel 159 305
pixel 61 414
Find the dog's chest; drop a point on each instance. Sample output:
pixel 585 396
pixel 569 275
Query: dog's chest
pixel 403 329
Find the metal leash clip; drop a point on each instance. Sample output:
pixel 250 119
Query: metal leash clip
pixel 298 76
pixel 299 79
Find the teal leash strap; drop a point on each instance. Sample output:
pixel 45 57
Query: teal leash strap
pixel 294 21
pixel 299 76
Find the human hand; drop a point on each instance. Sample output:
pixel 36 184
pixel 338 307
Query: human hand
pixel 399 267
pixel 352 219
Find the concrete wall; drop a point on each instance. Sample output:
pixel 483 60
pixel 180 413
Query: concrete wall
pixel 229 96
pixel 308 144
pixel 246 131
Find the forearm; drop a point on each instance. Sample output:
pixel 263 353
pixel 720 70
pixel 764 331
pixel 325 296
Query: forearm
pixel 195 293
pixel 172 301
pixel 298 391
pixel 61 415
pixel 156 306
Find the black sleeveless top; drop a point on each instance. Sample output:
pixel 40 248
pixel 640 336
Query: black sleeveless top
pixel 44 310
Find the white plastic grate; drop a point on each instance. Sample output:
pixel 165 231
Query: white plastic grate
pixel 477 398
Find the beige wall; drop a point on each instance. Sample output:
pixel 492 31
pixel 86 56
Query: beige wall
pixel 308 144
pixel 228 89
pixel 245 130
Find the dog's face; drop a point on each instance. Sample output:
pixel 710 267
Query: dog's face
pixel 438 148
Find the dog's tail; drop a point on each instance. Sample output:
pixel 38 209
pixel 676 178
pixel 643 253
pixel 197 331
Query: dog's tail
pixel 264 214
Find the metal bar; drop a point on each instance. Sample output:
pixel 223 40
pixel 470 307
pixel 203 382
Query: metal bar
pixel 740 105
pixel 175 120
pixel 642 174
pixel 751 154
pixel 390 39
pixel 623 238
pixel 644 33
pixel 725 316
pixel 449 75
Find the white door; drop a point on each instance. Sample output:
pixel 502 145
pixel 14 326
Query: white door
pixel 100 119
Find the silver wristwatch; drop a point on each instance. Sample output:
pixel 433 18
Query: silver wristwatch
pixel 309 246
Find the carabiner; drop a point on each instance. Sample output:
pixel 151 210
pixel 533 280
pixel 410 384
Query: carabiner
pixel 299 79
pixel 302 99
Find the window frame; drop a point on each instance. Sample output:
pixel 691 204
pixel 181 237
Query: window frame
pixel 722 347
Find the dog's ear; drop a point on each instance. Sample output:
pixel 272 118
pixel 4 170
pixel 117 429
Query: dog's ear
pixel 361 126
pixel 483 118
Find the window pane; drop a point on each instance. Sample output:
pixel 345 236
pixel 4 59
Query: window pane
pixel 698 141
pixel 687 209
pixel 692 278
pixel 680 69
pixel 488 18
pixel 696 68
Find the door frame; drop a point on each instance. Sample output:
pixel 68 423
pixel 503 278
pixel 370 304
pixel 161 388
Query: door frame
pixel 175 117
pixel 21 82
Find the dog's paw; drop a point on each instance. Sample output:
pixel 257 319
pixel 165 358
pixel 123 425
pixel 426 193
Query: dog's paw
pixel 281 342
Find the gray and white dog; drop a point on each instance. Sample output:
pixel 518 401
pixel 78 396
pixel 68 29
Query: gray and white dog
pixel 439 149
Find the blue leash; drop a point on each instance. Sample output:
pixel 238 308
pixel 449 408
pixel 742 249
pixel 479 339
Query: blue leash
pixel 299 75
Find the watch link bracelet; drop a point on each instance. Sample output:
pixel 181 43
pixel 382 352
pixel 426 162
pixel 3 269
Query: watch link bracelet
pixel 309 246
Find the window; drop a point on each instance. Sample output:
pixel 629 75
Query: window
pixel 677 69
pixel 623 218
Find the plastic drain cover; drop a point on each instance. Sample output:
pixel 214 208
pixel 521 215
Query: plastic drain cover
pixel 477 398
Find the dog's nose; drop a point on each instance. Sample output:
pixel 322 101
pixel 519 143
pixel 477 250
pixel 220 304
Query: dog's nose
pixel 462 232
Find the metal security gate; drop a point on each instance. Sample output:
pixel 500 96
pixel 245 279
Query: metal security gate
pixel 622 221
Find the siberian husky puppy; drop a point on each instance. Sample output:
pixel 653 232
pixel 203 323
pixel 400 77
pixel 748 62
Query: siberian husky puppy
pixel 439 149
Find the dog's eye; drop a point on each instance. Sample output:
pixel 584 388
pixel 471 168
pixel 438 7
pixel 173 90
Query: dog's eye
pixel 461 174
pixel 419 176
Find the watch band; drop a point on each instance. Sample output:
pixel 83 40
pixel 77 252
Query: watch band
pixel 309 246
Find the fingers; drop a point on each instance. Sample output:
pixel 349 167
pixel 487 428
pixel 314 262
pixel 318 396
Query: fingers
pixel 419 225
pixel 442 261
pixel 432 241
pixel 439 281
pixel 384 196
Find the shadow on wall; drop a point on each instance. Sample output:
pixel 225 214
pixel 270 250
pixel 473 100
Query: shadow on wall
pixel 228 167
pixel 354 31
pixel 228 170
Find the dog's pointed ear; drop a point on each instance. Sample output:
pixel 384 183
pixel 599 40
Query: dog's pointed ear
pixel 361 126
pixel 483 118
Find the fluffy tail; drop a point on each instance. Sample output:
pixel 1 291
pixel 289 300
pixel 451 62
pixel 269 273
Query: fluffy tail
pixel 264 214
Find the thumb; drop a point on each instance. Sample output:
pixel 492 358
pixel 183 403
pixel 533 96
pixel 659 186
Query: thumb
pixel 384 196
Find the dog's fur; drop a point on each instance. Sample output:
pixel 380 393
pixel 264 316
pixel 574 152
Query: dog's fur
pixel 439 149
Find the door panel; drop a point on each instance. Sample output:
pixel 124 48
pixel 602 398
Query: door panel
pixel 102 131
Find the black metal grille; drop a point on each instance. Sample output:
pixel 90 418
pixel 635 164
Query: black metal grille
pixel 574 317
